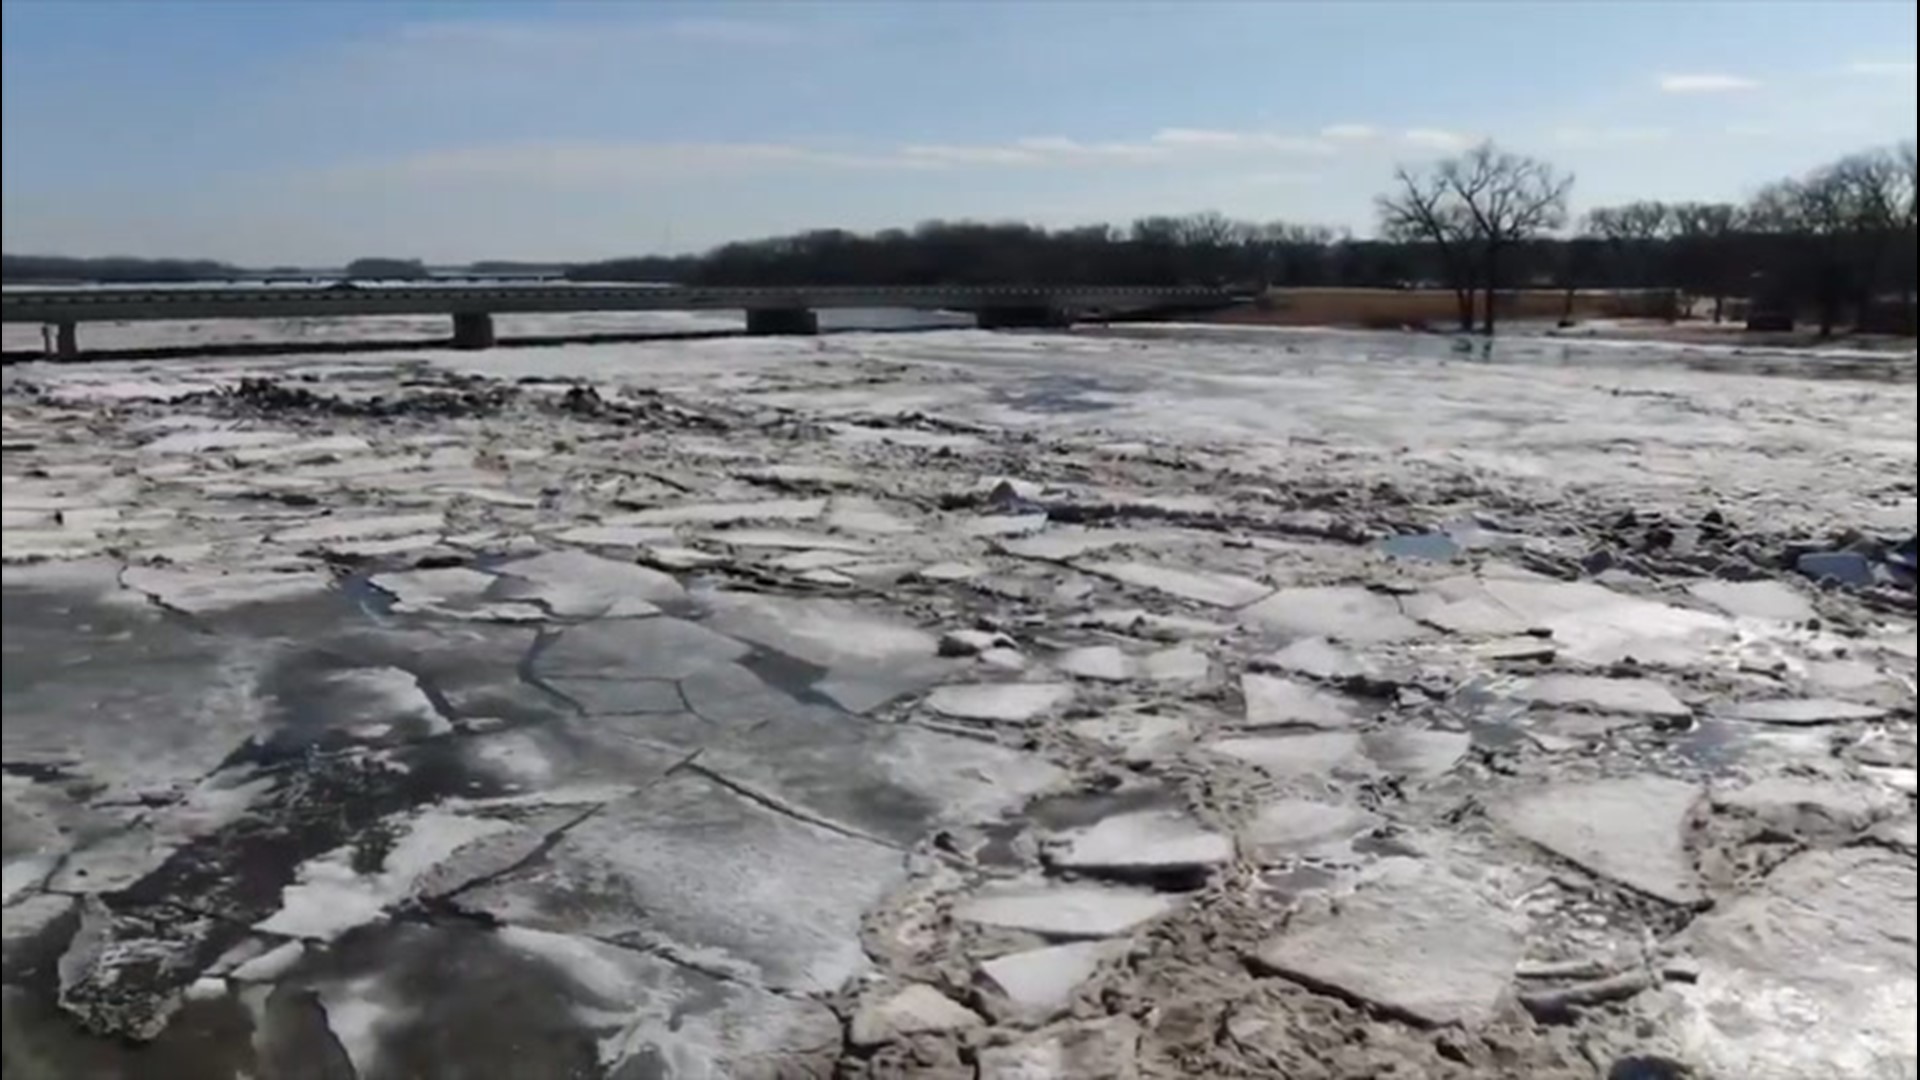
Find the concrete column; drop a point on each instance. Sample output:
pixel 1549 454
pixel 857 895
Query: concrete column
pixel 66 339
pixel 782 321
pixel 1022 318
pixel 472 330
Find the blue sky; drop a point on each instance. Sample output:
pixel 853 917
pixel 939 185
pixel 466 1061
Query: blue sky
pixel 304 132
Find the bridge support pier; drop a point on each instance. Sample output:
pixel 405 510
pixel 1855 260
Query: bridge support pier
pixel 1023 318
pixel 66 339
pixel 472 330
pixel 782 321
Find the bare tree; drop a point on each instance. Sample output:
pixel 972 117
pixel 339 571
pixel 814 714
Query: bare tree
pixel 1636 221
pixel 1425 210
pixel 1907 236
pixel 1706 235
pixel 1475 208
pixel 1510 198
pixel 1631 235
pixel 1842 221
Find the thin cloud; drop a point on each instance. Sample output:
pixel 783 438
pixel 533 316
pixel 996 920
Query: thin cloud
pixel 591 163
pixel 1279 179
pixel 1886 69
pixel 1062 149
pixel 1711 83
pixel 948 154
pixel 1436 139
pixel 752 33
pixel 1615 136
pixel 559 38
pixel 1349 132
pixel 1212 139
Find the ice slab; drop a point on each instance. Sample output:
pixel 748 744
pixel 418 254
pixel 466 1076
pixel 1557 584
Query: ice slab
pixel 1103 663
pixel 1415 940
pixel 580 571
pixel 1756 599
pixel 1143 842
pixel 1630 830
pixel 1798 712
pixel 915 1009
pixel 726 513
pixel 1809 976
pixel 689 863
pixel 1272 701
pixel 1284 828
pixel 1200 586
pixel 1343 613
pixel 1602 694
pixel 1065 911
pixel 1317 754
pixel 1042 981
pixel 1014 703
pixel 201 592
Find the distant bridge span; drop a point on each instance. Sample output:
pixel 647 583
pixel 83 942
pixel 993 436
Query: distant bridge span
pixel 769 310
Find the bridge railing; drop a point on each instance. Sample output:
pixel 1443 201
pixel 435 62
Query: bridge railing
pixel 118 304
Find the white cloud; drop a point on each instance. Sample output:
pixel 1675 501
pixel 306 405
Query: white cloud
pixel 1585 136
pixel 614 163
pixel 1435 139
pixel 560 39
pixel 588 164
pixel 1278 179
pixel 1706 84
pixel 1239 141
pixel 1349 132
pixel 949 154
pixel 1894 69
pixel 1055 148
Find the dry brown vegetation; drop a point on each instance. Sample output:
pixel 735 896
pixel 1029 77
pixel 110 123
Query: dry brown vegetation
pixel 1394 309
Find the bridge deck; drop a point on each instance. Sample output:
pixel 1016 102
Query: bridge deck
pixel 126 304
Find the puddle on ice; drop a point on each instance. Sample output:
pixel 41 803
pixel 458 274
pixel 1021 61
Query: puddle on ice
pixel 1061 394
pixel 1432 547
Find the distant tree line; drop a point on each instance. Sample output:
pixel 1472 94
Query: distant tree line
pixel 1836 245
pixel 381 268
pixel 112 269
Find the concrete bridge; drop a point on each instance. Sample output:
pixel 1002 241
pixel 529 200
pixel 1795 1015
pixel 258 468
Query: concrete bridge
pixel 768 310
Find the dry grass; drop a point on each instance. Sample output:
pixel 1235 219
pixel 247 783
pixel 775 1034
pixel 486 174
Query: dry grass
pixel 1392 309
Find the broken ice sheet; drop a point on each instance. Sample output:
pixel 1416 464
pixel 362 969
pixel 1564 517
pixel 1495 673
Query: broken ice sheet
pixel 1632 830
pixel 576 573
pixel 1278 702
pixel 1200 586
pixel 690 863
pixel 1065 912
pixel 1014 703
pixel 1341 612
pixel 726 513
pixel 1413 939
pixel 330 896
pixel 415 590
pixel 1142 843
pixel 1104 663
pixel 1042 981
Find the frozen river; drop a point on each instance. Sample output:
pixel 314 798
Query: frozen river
pixel 1150 703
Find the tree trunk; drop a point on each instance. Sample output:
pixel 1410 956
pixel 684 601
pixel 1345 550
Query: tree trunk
pixel 1492 287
